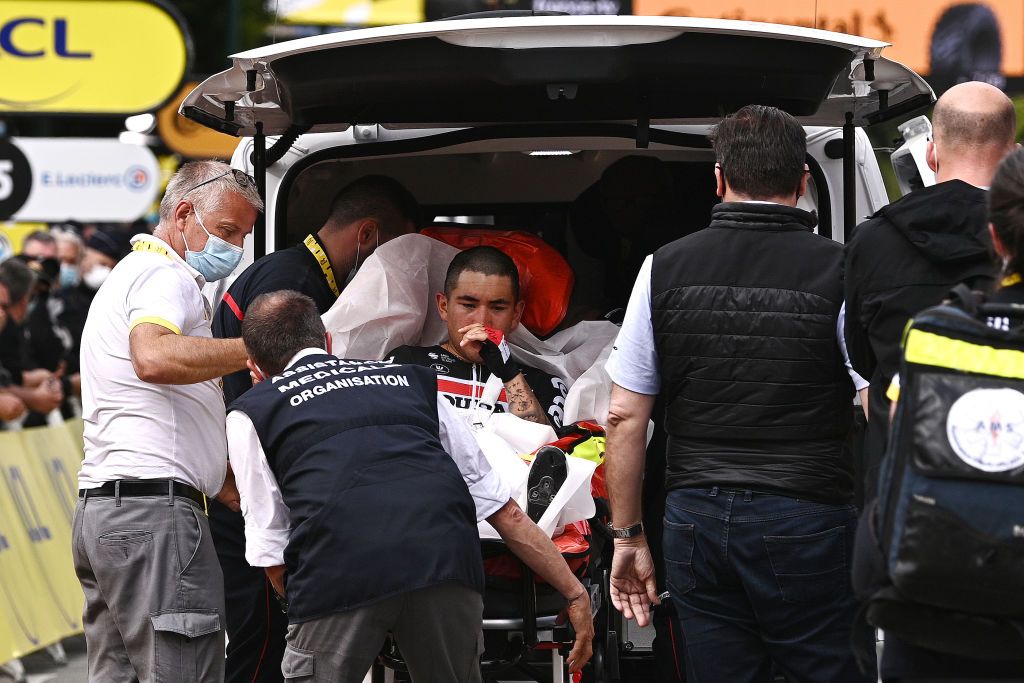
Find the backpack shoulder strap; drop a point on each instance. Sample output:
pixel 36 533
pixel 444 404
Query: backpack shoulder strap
pixel 966 299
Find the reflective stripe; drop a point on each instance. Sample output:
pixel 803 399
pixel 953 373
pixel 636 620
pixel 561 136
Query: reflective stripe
pixel 155 321
pixel 146 245
pixel 927 348
pixel 325 264
pixel 893 392
pixel 233 305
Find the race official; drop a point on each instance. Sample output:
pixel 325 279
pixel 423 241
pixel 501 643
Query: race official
pixel 361 491
pixel 364 214
pixel 154 439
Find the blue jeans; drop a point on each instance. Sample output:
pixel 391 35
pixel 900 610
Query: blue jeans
pixel 761 580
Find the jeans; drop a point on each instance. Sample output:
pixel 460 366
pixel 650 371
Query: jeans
pixel 761 583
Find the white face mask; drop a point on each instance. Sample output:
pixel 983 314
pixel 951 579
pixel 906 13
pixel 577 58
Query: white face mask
pixel 96 276
pixel 352 273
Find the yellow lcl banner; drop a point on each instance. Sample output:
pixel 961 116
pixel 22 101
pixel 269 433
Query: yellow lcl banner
pixel 89 56
pixel 40 597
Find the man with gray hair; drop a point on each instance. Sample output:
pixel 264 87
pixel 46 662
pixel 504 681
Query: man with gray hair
pixel 154 439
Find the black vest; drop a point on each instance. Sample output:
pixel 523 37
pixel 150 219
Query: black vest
pixel 755 390
pixel 377 506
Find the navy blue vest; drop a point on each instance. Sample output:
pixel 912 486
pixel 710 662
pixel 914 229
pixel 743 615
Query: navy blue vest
pixel 377 506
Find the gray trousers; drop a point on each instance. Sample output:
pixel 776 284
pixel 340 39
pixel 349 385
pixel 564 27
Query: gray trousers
pixel 154 592
pixel 437 629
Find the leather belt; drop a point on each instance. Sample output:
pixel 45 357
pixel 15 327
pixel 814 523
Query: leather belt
pixel 134 488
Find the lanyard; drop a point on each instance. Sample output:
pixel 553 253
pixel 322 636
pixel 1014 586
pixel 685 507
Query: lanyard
pixel 325 264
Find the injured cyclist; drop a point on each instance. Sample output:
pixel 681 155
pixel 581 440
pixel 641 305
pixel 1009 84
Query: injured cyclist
pixel 481 304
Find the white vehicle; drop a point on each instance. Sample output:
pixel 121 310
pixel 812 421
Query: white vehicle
pixel 508 120
pixel 473 114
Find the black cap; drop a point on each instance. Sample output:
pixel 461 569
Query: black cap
pixel 115 243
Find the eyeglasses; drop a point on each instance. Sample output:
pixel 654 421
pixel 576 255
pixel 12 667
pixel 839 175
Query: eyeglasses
pixel 243 179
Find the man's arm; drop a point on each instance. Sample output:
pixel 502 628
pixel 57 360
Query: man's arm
pixel 43 398
pixel 162 357
pixel 633 588
pixel 538 552
pixel 523 537
pixel 855 334
pixel 522 402
pixel 859 383
pixel 267 524
pixel 497 357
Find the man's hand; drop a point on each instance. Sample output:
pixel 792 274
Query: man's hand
pixel 45 397
pixel 11 407
pixel 632 582
pixel 493 350
pixel 276 576
pixel 579 612
pixel 30 379
pixel 228 494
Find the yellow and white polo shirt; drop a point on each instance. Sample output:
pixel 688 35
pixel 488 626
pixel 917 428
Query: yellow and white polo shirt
pixel 135 429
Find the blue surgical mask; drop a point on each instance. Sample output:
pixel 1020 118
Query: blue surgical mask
pixel 217 259
pixel 69 276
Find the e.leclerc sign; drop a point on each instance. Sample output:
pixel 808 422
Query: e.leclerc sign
pixel 84 179
pixel 89 56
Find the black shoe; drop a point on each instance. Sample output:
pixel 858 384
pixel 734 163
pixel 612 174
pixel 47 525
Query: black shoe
pixel 547 474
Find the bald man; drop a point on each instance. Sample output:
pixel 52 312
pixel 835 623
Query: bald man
pixel 906 258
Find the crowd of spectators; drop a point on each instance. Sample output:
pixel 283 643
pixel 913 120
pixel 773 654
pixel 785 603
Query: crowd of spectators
pixel 46 288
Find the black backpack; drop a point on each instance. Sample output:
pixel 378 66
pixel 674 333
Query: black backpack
pixel 940 553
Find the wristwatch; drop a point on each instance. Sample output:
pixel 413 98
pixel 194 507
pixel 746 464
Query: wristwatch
pixel 628 531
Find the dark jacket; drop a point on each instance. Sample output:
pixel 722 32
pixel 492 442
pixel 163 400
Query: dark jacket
pixel 900 261
pixel 756 392
pixel 293 268
pixel 377 507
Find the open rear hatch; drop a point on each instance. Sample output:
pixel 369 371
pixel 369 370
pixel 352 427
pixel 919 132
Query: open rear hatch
pixel 651 70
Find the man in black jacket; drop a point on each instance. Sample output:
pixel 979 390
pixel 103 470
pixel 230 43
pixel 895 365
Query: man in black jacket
pixel 908 256
pixel 736 329
pixel 363 214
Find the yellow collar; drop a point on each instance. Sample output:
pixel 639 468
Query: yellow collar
pixel 1011 280
pixel 153 247
pixel 325 263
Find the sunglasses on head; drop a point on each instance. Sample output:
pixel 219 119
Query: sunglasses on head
pixel 241 177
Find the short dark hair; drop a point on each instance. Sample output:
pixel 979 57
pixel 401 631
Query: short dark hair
pixel 41 236
pixel 277 325
pixel 486 260
pixel 1006 208
pixel 18 278
pixel 378 197
pixel 761 151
